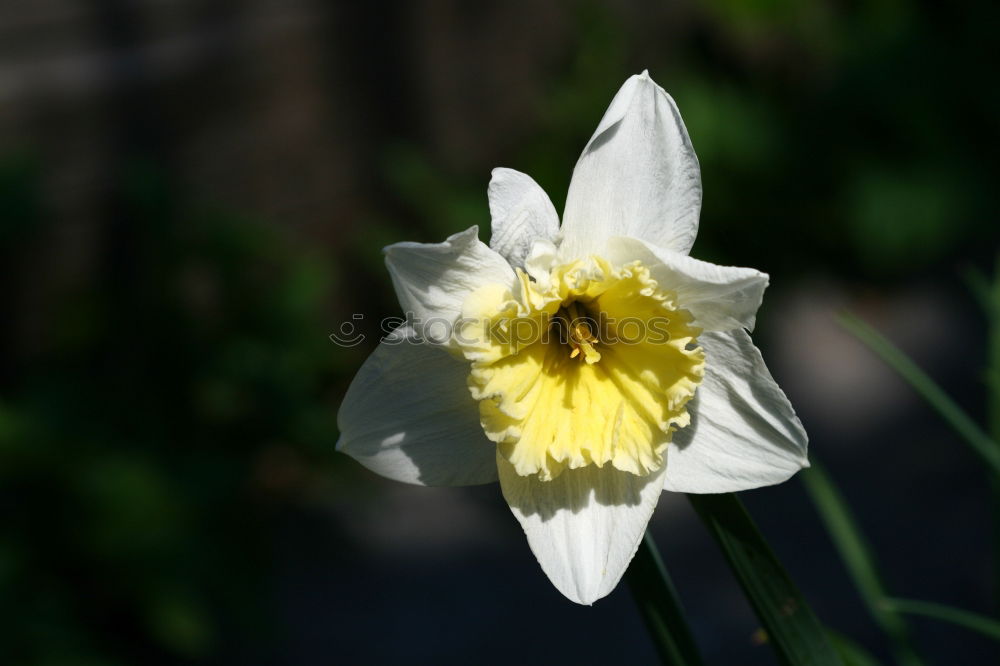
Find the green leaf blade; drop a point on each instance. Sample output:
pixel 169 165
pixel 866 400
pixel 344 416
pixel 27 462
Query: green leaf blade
pixel 660 607
pixel 857 557
pixel 850 652
pixel 981 443
pixel 792 628
pixel 963 618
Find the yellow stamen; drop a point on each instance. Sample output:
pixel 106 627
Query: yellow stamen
pixel 580 335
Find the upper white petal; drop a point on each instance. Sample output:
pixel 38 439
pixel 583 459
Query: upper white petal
pixel 585 525
pixel 522 213
pixel 638 176
pixel 744 433
pixel 432 280
pixel 408 415
pixel 721 298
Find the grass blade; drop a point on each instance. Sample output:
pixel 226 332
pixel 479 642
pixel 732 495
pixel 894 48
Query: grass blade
pixel 990 296
pixel 993 361
pixel 858 559
pixel 981 289
pixel 955 416
pixel 793 631
pixel 963 618
pixel 850 652
pixel 661 607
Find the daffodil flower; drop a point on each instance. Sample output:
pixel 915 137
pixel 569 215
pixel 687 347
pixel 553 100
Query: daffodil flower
pixel 586 367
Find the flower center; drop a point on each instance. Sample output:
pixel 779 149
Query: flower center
pixel 588 365
pixel 580 332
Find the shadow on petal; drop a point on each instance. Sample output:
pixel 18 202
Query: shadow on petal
pixel 583 526
pixel 408 416
pixel 574 490
pixel 743 433
pixel 683 437
pixel 604 137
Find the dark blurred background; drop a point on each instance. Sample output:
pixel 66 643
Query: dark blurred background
pixel 193 196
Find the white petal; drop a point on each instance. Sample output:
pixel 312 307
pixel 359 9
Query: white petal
pixel 433 279
pixel 585 525
pixel 721 298
pixel 638 176
pixel 408 415
pixel 522 213
pixel 542 256
pixel 744 433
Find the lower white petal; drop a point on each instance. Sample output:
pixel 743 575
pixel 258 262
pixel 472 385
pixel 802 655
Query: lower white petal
pixel 744 433
pixel 585 525
pixel 721 298
pixel 408 416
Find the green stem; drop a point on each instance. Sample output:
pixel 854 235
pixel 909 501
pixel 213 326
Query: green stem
pixel 660 606
pixel 792 629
